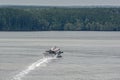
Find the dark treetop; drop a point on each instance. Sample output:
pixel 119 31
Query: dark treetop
pixel 59 18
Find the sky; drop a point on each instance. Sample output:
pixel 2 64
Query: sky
pixel 62 2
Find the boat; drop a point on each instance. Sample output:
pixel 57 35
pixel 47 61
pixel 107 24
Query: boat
pixel 51 53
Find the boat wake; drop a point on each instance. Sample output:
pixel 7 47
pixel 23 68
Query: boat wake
pixel 33 66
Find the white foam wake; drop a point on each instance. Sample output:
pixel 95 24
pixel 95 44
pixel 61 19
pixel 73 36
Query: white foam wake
pixel 36 64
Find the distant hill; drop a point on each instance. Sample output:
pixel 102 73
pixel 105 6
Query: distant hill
pixel 62 18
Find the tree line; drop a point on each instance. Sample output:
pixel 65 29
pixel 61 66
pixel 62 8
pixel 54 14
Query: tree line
pixel 60 19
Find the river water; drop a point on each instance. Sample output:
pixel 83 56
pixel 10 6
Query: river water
pixel 87 56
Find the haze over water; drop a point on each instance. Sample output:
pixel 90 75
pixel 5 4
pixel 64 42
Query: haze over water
pixel 87 55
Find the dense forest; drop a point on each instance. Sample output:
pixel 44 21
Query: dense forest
pixel 60 19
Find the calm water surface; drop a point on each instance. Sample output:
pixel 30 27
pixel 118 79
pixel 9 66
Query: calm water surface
pixel 87 55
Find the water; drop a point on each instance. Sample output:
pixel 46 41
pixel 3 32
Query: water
pixel 33 66
pixel 87 56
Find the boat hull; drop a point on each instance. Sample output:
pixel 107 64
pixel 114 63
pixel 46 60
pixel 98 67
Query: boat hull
pixel 50 54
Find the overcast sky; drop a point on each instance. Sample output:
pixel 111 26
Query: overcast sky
pixel 61 2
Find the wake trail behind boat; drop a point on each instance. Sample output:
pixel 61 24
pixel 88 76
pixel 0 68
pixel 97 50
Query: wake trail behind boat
pixel 33 66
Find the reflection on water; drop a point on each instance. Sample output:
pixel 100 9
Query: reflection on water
pixel 87 55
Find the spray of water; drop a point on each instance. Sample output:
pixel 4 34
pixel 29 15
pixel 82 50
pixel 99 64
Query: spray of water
pixel 33 66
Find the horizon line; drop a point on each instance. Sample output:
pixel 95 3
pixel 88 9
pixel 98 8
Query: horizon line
pixel 28 5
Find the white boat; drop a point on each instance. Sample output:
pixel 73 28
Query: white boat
pixel 50 53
